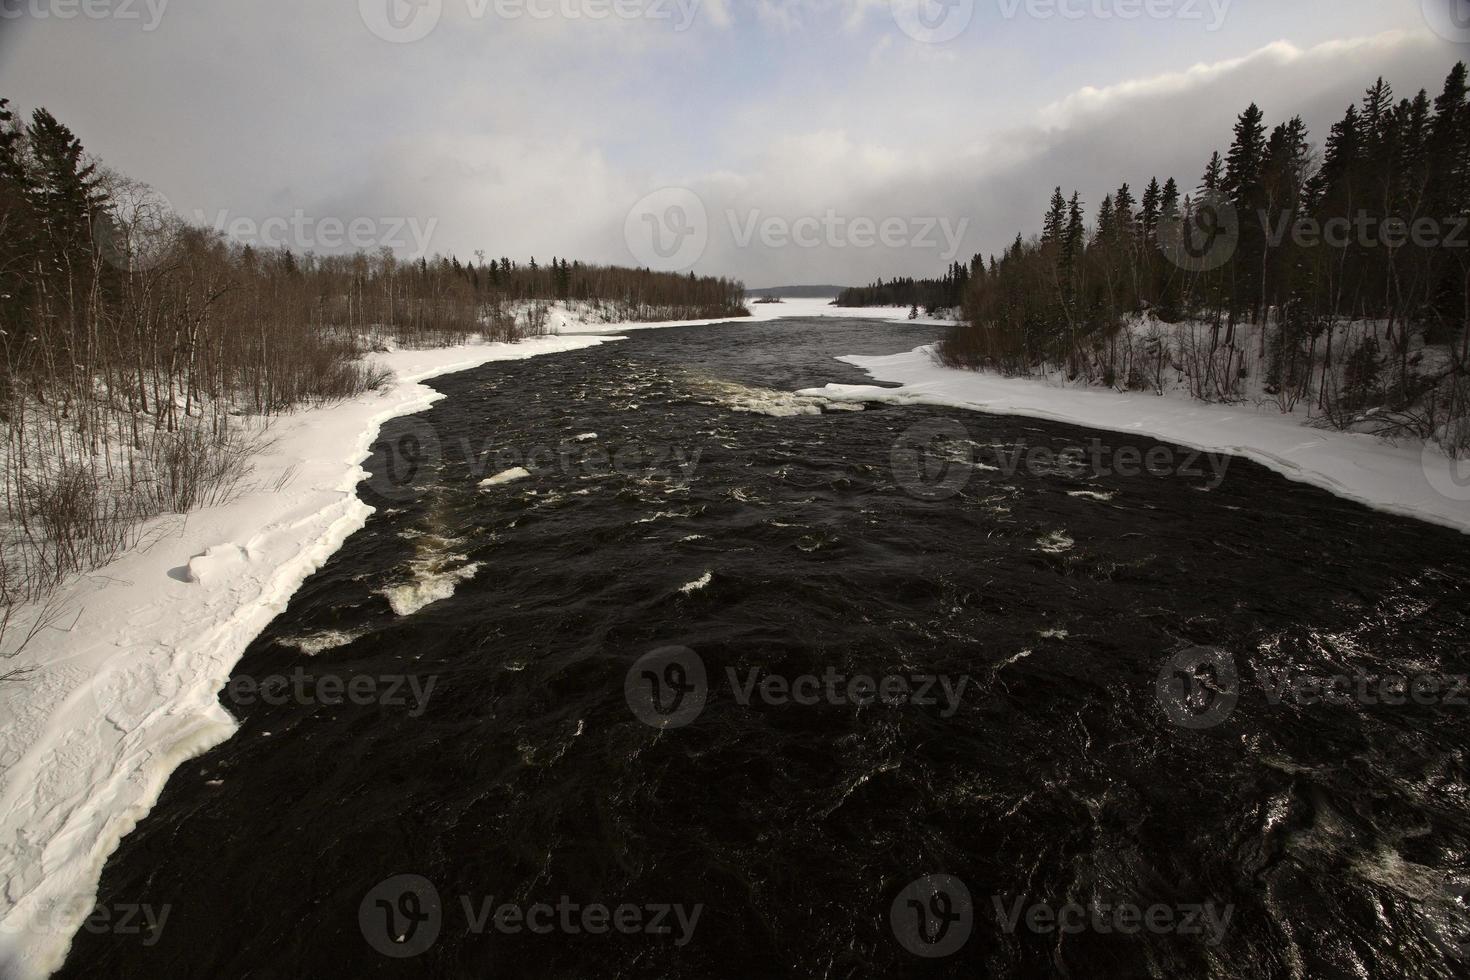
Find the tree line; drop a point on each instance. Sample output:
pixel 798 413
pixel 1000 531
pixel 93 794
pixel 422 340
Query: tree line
pixel 1337 279
pixel 930 295
pixel 140 354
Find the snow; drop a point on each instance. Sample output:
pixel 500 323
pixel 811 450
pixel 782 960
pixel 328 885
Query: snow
pixel 1408 480
pixel 507 476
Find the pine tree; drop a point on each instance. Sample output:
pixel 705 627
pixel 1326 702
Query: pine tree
pixel 66 191
pixel 1054 226
pixel 1076 234
pixel 1149 214
pixel 1214 176
pixel 1169 201
pixel 1123 205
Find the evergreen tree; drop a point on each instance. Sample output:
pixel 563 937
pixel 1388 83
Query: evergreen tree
pixel 1054 226
pixel 1214 175
pixel 66 190
pixel 1149 214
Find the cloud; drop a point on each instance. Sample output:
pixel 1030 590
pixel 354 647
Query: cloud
pixel 527 136
pixel 1091 140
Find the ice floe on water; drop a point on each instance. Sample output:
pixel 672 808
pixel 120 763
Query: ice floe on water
pixel 1055 543
pixel 506 476
pixel 312 644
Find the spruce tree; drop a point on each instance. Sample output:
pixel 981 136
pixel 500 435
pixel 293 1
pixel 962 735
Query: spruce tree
pixel 1054 226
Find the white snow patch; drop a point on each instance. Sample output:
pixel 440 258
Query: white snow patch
pixel 312 644
pixel 506 476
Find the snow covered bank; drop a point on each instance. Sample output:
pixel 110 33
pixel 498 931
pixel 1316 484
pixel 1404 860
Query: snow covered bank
pixel 1409 480
pixel 124 688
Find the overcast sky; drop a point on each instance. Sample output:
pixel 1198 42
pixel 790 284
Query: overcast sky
pixel 778 141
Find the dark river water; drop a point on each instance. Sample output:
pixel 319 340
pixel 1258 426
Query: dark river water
pixel 734 684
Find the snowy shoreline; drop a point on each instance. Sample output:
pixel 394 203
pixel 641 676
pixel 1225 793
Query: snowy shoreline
pixel 1407 481
pixel 124 688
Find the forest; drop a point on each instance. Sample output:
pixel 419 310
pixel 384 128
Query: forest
pixel 929 295
pixel 141 355
pixel 1336 279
